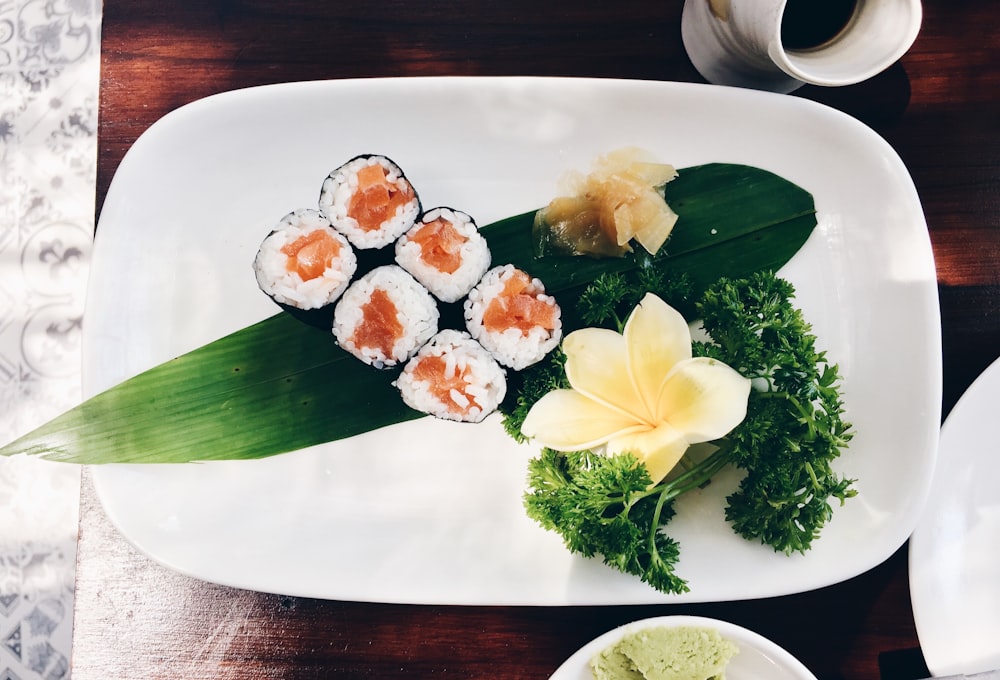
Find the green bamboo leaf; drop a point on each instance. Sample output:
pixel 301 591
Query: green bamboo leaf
pixel 221 402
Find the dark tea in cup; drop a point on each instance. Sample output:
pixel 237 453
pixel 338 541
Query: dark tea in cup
pixel 806 24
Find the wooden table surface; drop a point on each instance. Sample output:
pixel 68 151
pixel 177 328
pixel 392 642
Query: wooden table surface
pixel 939 108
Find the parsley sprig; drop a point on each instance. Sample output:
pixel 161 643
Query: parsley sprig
pixel 606 505
pixel 794 427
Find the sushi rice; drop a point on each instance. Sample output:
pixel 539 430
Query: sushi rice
pixel 445 252
pixel 518 342
pixel 384 317
pixel 346 185
pixel 453 377
pixel 278 268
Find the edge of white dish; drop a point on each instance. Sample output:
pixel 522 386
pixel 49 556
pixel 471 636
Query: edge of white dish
pixel 955 548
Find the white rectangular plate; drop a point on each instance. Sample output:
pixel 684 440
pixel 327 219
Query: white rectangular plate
pixel 430 511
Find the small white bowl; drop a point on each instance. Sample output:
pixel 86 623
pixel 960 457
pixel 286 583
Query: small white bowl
pixel 758 657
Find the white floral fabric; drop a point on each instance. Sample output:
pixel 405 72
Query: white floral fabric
pixel 49 75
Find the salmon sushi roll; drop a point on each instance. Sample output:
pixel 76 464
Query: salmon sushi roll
pixel 370 201
pixel 304 264
pixel 509 313
pixel 384 317
pixel 445 252
pixel 454 378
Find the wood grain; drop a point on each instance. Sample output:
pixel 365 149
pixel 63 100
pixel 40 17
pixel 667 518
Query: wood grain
pixel 939 108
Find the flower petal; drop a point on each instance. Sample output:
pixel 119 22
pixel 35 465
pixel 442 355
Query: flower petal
pixel 597 367
pixel 704 398
pixel 659 448
pixel 566 420
pixel 656 338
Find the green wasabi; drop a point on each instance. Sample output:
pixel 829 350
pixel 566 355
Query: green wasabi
pixel 664 653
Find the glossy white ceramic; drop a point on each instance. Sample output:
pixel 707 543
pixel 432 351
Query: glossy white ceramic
pixel 757 658
pixel 955 548
pixel 430 511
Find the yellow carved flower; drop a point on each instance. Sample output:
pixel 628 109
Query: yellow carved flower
pixel 639 391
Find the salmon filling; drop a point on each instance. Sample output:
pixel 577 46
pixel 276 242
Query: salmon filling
pixel 443 386
pixel 517 306
pixel 376 199
pixel 440 245
pixel 312 254
pixel 379 327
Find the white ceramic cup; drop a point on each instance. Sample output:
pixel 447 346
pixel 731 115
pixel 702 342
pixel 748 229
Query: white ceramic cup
pixel 739 42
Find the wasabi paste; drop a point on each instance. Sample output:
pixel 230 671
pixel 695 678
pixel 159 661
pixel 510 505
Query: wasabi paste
pixel 664 653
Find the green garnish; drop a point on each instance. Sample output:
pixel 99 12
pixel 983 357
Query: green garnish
pixel 611 297
pixel 605 505
pixel 794 427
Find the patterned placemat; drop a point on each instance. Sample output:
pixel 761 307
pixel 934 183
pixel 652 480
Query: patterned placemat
pixel 49 77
